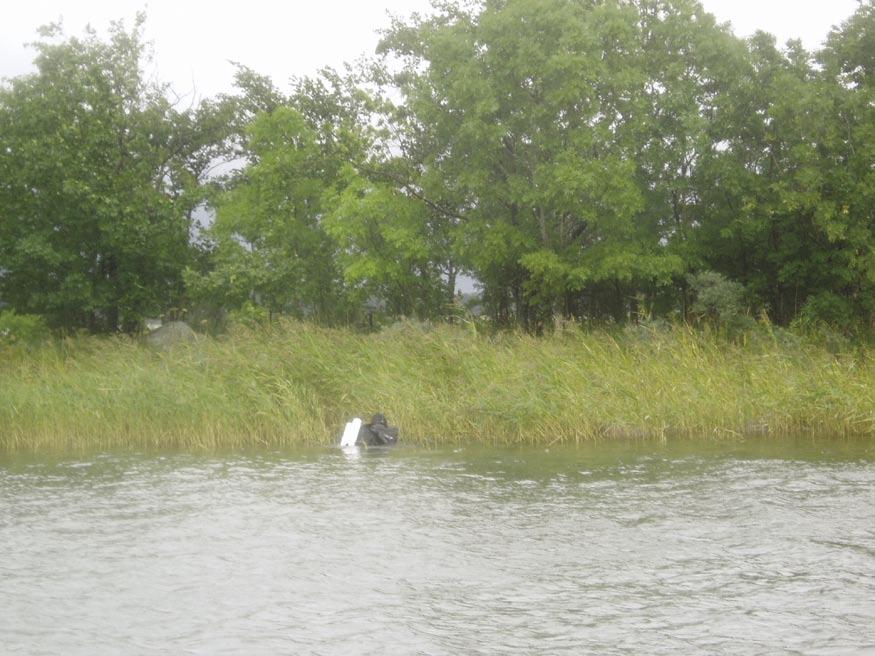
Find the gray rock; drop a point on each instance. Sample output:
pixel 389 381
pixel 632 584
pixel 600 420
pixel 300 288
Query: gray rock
pixel 171 333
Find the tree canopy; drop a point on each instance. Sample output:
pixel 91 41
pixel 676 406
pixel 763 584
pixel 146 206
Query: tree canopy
pixel 582 158
pixel 98 179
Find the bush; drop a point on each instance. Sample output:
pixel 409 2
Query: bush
pixel 250 315
pixel 719 300
pixel 825 309
pixel 22 328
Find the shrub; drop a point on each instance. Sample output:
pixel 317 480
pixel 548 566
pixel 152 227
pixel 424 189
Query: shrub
pixel 719 300
pixel 22 328
pixel 827 309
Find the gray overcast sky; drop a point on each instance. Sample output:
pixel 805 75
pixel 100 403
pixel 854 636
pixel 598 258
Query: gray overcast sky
pixel 193 41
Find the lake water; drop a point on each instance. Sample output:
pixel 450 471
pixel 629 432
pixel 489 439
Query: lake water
pixel 687 548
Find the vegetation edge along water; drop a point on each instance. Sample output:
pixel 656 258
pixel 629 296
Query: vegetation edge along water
pixel 295 384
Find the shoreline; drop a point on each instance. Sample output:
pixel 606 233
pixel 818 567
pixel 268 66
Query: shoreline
pixel 296 384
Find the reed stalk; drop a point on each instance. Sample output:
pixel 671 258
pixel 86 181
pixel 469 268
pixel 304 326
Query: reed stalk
pixel 297 384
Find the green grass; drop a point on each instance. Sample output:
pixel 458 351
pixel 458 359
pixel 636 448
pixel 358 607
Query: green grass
pixel 297 384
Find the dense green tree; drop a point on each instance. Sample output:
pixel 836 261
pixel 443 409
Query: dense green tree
pixel 596 153
pixel 787 199
pixel 594 158
pixel 848 73
pixel 387 248
pixel 756 194
pixel 691 67
pixel 270 245
pixel 98 179
pixel 568 132
pixel 309 225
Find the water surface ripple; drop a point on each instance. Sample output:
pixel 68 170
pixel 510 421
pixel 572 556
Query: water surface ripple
pixel 612 550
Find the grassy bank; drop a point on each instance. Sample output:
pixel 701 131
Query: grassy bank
pixel 298 384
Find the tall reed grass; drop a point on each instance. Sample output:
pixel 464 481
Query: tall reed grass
pixel 297 384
